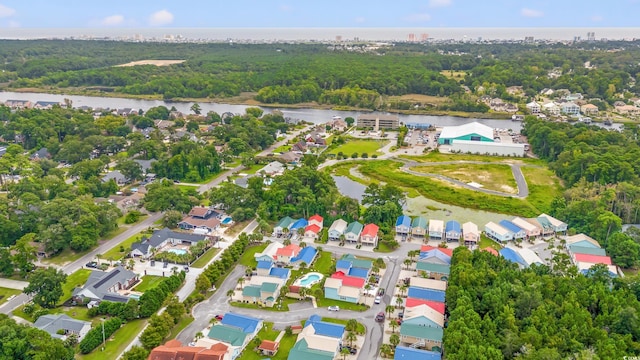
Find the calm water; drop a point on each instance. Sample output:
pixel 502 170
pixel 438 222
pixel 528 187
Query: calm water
pixel 315 116
pixel 318 34
pixel 348 187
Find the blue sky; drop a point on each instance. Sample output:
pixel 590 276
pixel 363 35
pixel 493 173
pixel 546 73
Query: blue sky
pixel 327 13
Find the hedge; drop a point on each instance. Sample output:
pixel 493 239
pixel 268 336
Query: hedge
pixel 94 337
pixel 151 301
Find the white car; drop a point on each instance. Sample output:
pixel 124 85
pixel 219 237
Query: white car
pixel 334 308
pixel 377 300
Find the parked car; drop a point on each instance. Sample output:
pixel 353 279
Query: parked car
pixel 380 317
pixel 334 308
pixel 352 350
pixel 381 291
pixel 165 265
pixel 400 315
pixel 219 317
pixel 92 264
pixel 377 300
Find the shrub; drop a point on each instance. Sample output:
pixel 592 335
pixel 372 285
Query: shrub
pixel 94 337
pixel 364 155
pixel 354 155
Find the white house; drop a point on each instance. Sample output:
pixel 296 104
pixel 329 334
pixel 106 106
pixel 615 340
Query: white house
pixel 533 107
pixel 551 108
pixel 497 232
pixel 570 108
pixel 337 229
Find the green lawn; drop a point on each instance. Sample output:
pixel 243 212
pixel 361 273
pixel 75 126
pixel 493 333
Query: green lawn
pixel 285 305
pixel 117 342
pixel 148 282
pixel 486 242
pixel 544 186
pixel 77 279
pixel 5 293
pixel 268 333
pixel 324 302
pixel 115 253
pixel 358 146
pixel 497 177
pixel 360 329
pixel 247 258
pixel 323 263
pixel 188 189
pixel 205 258
pixel 282 149
pixel 252 169
pixel 440 157
pixel 384 248
pixel 236 228
pixel 79 313
pixel 183 323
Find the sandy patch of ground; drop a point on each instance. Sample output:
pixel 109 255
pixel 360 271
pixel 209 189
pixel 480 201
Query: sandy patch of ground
pixel 152 62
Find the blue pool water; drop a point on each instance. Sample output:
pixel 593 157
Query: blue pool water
pixel 178 251
pixel 226 220
pixel 309 279
pixel 134 296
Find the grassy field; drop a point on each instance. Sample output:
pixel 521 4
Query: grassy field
pixel 359 146
pixel 148 282
pixel 440 157
pixel 205 258
pixel 236 228
pixel 5 293
pixel 388 171
pixel 323 263
pixel 115 254
pixel 543 185
pixel 282 149
pixel 117 342
pixel 247 258
pixel 80 313
pixel 424 99
pixel 486 242
pixel 183 323
pixel 68 255
pixel 252 169
pixel 454 74
pixel 77 279
pixel 284 308
pixel 497 177
pixel 384 248
pixel 324 302
pixel 268 333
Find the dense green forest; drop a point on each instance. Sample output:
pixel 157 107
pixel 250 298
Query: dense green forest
pixel 19 341
pixel 497 311
pixel 297 73
pixel 601 169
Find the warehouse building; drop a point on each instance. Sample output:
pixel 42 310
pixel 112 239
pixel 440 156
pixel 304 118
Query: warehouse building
pixel 476 138
pixel 379 121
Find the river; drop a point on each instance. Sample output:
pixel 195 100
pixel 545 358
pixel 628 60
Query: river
pixel 316 116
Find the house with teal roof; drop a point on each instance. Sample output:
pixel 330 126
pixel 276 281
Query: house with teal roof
pixel 282 226
pixel 301 350
pixel 353 231
pixel 235 331
pixel 433 270
pixel 419 227
pixel 318 340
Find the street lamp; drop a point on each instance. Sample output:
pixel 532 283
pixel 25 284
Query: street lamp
pixel 103 338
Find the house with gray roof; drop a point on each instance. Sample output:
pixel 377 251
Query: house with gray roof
pixel 116 176
pixel 61 326
pixel 160 238
pixel 104 286
pixel 43 153
pixel 145 165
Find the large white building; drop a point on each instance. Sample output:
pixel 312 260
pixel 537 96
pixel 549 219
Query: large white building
pixel 476 138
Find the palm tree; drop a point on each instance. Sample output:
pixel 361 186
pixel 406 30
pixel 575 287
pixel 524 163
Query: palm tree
pixel 351 337
pixel 240 282
pixel 375 269
pixel 174 270
pixel 403 289
pixel 394 340
pixel 199 335
pixel 410 254
pixel 394 324
pixel 399 302
pixel 98 256
pixel 344 352
pixel 303 292
pixel 389 309
pixel 367 288
pixel 230 293
pixel 303 244
pixel 407 263
pixel 132 263
pixel 284 291
pixel 286 242
pixel 386 350
pixel 303 265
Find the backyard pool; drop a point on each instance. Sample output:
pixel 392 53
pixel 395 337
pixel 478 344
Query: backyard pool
pixel 178 251
pixel 308 279
pixel 226 221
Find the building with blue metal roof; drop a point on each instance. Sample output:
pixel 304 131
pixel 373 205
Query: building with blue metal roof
pixel 408 353
pixel 453 230
pixel 245 323
pixel 264 264
pixel 298 224
pixel 325 328
pixel 512 256
pixel 518 232
pixel 306 255
pixel 403 225
pixel 282 273
pixel 426 294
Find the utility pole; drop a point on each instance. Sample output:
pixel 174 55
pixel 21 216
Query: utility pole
pixel 103 339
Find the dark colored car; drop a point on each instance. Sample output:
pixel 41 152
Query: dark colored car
pixel 352 350
pixel 380 317
pixel 380 291
pixel 92 264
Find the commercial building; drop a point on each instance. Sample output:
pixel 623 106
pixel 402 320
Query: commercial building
pixel 378 121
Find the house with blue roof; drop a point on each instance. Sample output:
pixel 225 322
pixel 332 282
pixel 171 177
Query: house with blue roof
pixel 352 266
pixel 426 294
pixel 235 331
pixel 268 268
pixel 318 340
pixel 513 256
pixel 306 255
pixel 298 224
pixel 410 353
pixel 518 232
pixel 325 328
pixel 452 231
pixel 403 225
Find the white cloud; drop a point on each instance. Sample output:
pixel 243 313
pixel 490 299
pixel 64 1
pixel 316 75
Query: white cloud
pixel 6 11
pixel 439 3
pixel 112 20
pixel 14 24
pixel 416 18
pixel 531 13
pixel 160 18
pixel 360 19
pixel 596 18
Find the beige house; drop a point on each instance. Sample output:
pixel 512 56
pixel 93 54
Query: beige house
pixel 628 109
pixel 530 229
pixel 589 109
pixel 470 233
pixel 423 283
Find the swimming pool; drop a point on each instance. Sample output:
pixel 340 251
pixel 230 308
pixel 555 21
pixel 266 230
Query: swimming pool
pixel 178 251
pixel 226 221
pixel 308 279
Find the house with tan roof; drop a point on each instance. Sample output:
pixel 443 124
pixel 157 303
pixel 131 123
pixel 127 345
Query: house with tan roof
pixel 628 109
pixel 173 350
pixel 424 283
pixel 589 109
pixel 318 340
pixel 470 233
pixel 531 231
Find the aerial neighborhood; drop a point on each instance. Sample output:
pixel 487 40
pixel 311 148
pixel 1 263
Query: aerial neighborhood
pixel 289 200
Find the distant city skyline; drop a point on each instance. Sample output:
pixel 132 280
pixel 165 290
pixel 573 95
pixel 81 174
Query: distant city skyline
pixel 329 13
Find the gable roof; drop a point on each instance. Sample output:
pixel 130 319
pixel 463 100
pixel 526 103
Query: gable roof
pixel 313 228
pixel 290 250
pixel 470 227
pixel 512 256
pixel 228 334
pixel 354 227
pixel 423 283
pixel 245 323
pixel 301 350
pixel 436 225
pixel 435 305
pixel 425 294
pixel 431 267
pixel 530 257
pixel 424 315
pixel 300 223
pixel 99 283
pixel 582 239
pixel 263 264
pixel 497 228
pixel 419 222
pixel 370 230
pixel 421 332
pixel 594 259
pixel 199 211
pixel 160 236
pixel 408 353
pixel 282 273
pixel 427 248
pixel 317 218
pixel 577 249
pixel 347 280
pixel 524 224
pixel 403 220
pixel 452 225
pixel 53 323
pixel 305 255
pixel 115 175
pixel 339 226
pixel 325 328
pixel 269 345
pixel 510 226
pixel 355 262
pixel 285 222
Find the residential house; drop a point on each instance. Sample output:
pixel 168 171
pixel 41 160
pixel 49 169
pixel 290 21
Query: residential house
pixel 160 238
pixel 422 327
pixel 518 233
pixel 431 284
pixel 559 227
pixel 434 262
pixel 43 153
pixel 282 227
pixel 268 347
pixel 513 256
pixel 300 147
pixel 337 124
pixel 337 229
pixel 453 230
pixel 18 104
pixel 573 97
pixel 551 108
pixel 201 220
pixel 352 266
pixel 269 253
pixel 290 157
pixel 436 229
pixel 274 168
pixel 509 107
pixel 619 104
pixel 533 107
pixel 434 270
pixel 174 350
pixel 470 233
pixel 312 232
pixel 514 90
pixel 306 255
pixel 497 104
pixel 570 108
pixel 316 220
pixel 262 290
pixel 410 353
pixel 589 109
pixel 369 235
pixel 531 231
pixel 285 254
pixel 628 109
pixel 497 232
pixel 546 92
pixel 106 286
pixel 426 294
pixel 318 340
pixel 45 105
pixel 403 225
pixel 435 305
pixel 593 259
pixel 419 227
pixel 352 232
pixel 298 225
pixel 235 331
pixel 116 176
pixel 61 326
pixel 145 165
pixel 583 244
pixel 267 268
pixel 530 257
pixel 585 268
pixel 344 287
pixel 546 229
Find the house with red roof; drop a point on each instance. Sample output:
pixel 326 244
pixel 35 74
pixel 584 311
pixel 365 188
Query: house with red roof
pixel 592 259
pixel 268 347
pixel 173 349
pixel 312 231
pixel 369 235
pixel 344 287
pixel 435 305
pixel 285 254
pixel 317 220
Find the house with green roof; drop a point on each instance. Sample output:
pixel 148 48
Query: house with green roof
pixel 433 270
pixel 419 227
pixel 282 226
pixel 421 336
pixel 301 350
pixel 262 290
pixel 353 231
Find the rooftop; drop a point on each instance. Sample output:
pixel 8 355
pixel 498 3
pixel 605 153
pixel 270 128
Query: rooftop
pixel 450 132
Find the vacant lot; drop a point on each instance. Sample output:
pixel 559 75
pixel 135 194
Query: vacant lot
pixel 440 157
pixel 544 186
pixel 152 62
pixel 359 146
pixel 495 177
pixel 453 74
